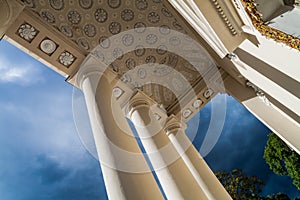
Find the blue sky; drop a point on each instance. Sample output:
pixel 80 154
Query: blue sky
pixel 41 156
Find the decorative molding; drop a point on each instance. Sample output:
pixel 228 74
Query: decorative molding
pixel 157 116
pixel 186 113
pixel 48 46
pixel 66 58
pixel 27 32
pixel 190 11
pixel 267 31
pixel 224 17
pixel 89 21
pixel 259 93
pixel 208 93
pixel 118 92
pixel 197 103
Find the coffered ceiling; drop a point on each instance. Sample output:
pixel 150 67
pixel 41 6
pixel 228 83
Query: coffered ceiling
pixel 91 24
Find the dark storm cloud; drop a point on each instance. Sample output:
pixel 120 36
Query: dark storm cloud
pixel 49 171
pixel 241 145
pixel 41 156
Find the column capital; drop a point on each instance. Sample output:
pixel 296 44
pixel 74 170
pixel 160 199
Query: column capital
pixel 174 125
pixel 140 100
pixel 91 66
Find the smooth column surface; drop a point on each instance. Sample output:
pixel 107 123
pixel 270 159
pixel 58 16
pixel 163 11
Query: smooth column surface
pixel 205 178
pixel 175 178
pixel 111 131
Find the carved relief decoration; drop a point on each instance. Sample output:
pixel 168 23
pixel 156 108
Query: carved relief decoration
pixel 92 20
pixel 27 32
pixel 48 46
pixel 91 25
pixel 66 58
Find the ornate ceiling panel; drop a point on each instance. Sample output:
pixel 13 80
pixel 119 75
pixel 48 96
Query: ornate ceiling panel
pixel 86 22
pixel 153 64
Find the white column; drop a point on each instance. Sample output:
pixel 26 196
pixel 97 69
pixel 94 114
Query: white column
pixel 118 151
pixel 175 178
pixel 201 172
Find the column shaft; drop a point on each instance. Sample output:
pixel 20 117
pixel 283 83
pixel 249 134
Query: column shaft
pixel 112 134
pixel 175 178
pixel 205 178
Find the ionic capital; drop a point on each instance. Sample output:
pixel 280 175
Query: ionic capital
pixel 173 125
pixel 91 66
pixel 137 101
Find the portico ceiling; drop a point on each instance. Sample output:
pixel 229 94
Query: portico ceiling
pixel 86 22
pixel 91 24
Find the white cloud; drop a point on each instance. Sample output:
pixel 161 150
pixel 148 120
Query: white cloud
pixel 14 71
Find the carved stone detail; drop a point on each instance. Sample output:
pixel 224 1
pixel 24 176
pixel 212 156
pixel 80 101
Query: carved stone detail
pixel 66 58
pixel 197 103
pixel 118 92
pixel 224 17
pixel 259 93
pixel 208 93
pixel 74 17
pixel 48 46
pixel 27 32
pixel 186 113
pixel 101 15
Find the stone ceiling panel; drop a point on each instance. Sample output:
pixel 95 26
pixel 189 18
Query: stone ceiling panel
pixel 146 42
pixel 86 22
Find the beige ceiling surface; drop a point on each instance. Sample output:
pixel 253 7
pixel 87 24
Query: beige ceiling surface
pixel 87 22
pixel 92 23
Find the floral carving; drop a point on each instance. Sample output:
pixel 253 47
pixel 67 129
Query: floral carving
pixel 74 17
pixel 104 42
pixel 114 3
pixel 65 29
pixel 197 103
pixel 66 58
pixel 141 4
pixel 208 93
pixel 101 15
pixel 128 39
pixel 166 12
pixel 186 113
pixel 127 15
pixel 153 17
pixel 139 50
pixel 27 32
pixel 48 16
pixel 139 27
pixel 115 28
pixel 89 30
pixel 83 43
pixel 57 4
pixel 151 39
pixel 117 92
pixel 150 60
pixel 130 63
pixel 162 49
pixel 164 29
pixel 86 4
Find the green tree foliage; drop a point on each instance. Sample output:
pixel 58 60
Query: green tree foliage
pixel 278 196
pixel 282 160
pixel 239 185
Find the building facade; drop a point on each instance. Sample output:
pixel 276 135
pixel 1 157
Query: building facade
pixel 157 63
